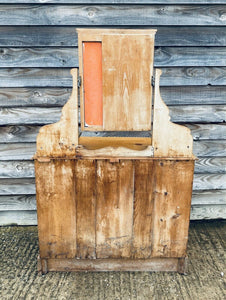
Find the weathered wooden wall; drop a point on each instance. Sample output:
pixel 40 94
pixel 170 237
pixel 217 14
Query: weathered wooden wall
pixel 38 46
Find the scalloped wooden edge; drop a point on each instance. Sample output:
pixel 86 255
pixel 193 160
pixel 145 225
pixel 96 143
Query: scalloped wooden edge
pixel 61 138
pixel 169 139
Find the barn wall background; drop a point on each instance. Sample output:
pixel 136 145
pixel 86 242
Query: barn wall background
pixel 38 46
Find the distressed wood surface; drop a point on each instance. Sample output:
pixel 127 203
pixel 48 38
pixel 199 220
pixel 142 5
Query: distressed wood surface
pixel 122 15
pixel 21 169
pixel 56 209
pixel 57 36
pixel 25 151
pixel 114 218
pixel 143 209
pixel 30 217
pixel 172 197
pixel 28 202
pixel 19 186
pixel 55 140
pixel 58 77
pixel 85 187
pixel 127 87
pixel 68 57
pixel 97 265
pixel 179 141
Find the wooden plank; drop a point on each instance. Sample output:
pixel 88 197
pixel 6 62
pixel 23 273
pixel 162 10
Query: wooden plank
pixel 185 95
pixel 48 115
pixel 207 131
pixel 17 202
pixel 190 56
pixel 143 209
pixel 202 113
pixel 114 210
pixel 58 36
pixel 10 97
pixel 200 212
pixel 68 57
pixel 127 71
pixel 172 95
pixel 85 187
pixel 113 1
pixel 209 148
pixel 209 181
pixel 8 218
pixel 79 15
pixel 172 200
pixel 56 206
pixel 97 265
pixel 208 197
pixel 17 186
pixel 211 165
pixel 58 77
pixel 136 143
pixel 115 152
pixel 17 169
pixel 25 151
pixel 22 134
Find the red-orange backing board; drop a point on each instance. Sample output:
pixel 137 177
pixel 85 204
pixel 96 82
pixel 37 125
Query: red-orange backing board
pixel 92 78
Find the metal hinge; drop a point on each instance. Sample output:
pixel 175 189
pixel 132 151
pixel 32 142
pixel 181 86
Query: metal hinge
pixel 79 81
pixel 153 80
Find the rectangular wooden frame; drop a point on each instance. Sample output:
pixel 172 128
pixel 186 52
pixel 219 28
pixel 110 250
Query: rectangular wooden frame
pixel 97 35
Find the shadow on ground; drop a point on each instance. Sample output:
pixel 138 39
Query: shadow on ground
pixel 205 279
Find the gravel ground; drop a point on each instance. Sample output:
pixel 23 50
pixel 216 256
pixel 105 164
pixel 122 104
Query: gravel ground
pixel 205 279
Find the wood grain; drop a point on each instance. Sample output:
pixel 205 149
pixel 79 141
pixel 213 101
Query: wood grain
pixel 114 216
pixel 25 151
pixel 179 142
pixel 59 77
pixel 85 189
pixel 48 115
pixel 113 1
pixel 25 169
pixel 56 206
pixel 127 86
pixel 172 198
pixel 17 186
pixel 79 15
pixel 68 57
pixel 59 36
pixel 143 209
pixel 200 212
pixel 28 133
pixel 17 202
pixel 52 97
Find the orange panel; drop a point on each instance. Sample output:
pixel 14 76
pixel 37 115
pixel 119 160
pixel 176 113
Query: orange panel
pixel 92 78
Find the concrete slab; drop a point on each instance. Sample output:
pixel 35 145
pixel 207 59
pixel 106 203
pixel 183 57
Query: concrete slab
pixel 205 280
